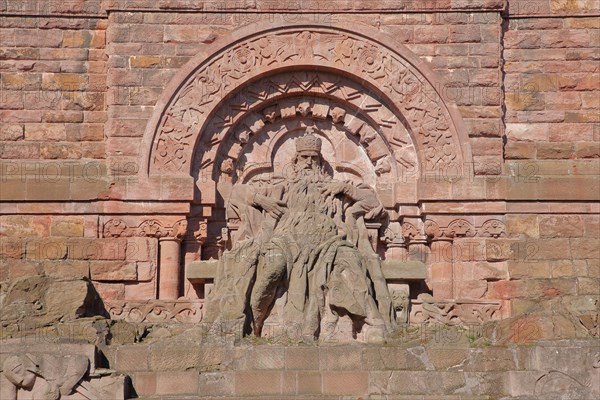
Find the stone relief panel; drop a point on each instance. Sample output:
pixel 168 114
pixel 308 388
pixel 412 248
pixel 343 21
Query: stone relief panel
pixel 46 372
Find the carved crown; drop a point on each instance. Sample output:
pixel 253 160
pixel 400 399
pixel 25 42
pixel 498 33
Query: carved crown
pixel 308 143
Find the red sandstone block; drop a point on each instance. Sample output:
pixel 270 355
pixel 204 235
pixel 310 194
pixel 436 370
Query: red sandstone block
pixel 587 150
pixel 216 384
pixel 585 248
pixel 132 358
pixel 576 132
pixel 157 78
pixel 21 268
pixel 522 40
pixel 302 358
pixel 187 34
pixel 518 269
pixel 563 101
pixel 67 226
pixel 11 100
pixel 525 101
pixel 144 383
pixel 123 146
pixel 113 271
pixel 486 146
pixel 431 34
pixel 78 38
pixel 126 127
pixel 117 33
pixel 20 81
pixel 566 38
pixel 11 247
pixel 251 383
pixel 93 117
pixel 442 269
pixel 464 34
pixel 543 249
pixel 487 165
pixel 141 290
pixel 590 100
pixel 25 226
pixel 39 38
pixel 582 116
pixel 84 132
pixel 60 151
pixel 62 116
pixel 345 383
pixel 309 383
pixel 474 289
pixel 180 382
pixel 146 33
pixel 47 248
pixel 124 77
pixel 11 132
pixel 64 54
pixel 549 150
pixel 555 226
pixel 568 268
pixel 266 358
pixel 579 82
pixel 45 132
pixel 519 150
pixel 341 358
pixel 110 291
pixel 19 150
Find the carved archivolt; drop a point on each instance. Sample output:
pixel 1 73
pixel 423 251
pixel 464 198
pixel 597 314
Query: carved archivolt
pixel 397 107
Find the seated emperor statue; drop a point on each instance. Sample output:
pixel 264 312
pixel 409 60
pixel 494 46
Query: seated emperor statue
pixel 303 238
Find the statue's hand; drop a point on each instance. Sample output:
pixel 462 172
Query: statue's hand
pixel 335 188
pixel 275 208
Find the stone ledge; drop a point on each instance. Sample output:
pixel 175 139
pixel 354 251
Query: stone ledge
pixel 304 6
pixel 199 271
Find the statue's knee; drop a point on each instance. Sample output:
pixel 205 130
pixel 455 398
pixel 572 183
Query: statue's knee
pixel 274 261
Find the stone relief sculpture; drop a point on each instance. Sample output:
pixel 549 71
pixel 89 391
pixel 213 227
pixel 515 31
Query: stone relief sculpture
pixel 45 376
pixel 303 239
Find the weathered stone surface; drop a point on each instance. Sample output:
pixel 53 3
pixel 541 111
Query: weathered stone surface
pixel 42 300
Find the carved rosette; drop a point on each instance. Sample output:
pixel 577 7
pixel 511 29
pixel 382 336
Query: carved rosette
pixel 399 84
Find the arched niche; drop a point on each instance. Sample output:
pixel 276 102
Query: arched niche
pixel 227 94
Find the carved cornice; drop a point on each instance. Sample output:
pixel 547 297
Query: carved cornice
pixel 153 311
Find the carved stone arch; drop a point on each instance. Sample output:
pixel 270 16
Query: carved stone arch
pixel 385 69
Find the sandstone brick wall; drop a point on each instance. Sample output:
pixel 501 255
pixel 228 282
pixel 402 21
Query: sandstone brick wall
pixel 79 80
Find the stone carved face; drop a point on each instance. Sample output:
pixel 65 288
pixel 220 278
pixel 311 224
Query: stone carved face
pixel 308 161
pixel 18 373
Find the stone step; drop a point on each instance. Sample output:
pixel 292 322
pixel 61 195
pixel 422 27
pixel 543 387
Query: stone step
pixel 347 372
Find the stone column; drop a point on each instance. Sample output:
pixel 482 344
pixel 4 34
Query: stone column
pixel 169 270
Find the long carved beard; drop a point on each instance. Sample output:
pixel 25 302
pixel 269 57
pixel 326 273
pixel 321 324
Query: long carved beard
pixel 313 175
